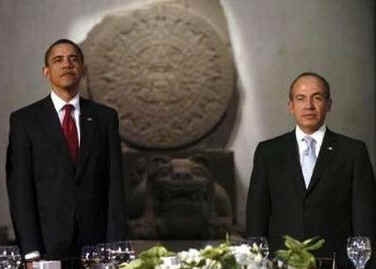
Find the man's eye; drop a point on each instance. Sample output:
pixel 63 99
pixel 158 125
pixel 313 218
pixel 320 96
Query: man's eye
pixel 75 59
pixel 318 98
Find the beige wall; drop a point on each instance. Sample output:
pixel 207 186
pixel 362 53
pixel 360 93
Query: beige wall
pixel 273 41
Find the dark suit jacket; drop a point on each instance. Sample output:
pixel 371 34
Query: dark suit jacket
pixel 54 203
pixel 340 200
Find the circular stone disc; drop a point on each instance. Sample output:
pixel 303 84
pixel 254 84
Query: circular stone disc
pixel 165 70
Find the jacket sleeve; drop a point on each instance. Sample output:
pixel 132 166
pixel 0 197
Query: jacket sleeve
pixel 21 188
pixel 364 199
pixel 116 225
pixel 258 202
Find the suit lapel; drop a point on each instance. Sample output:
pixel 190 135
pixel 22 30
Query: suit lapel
pixel 87 128
pixel 327 151
pixel 51 124
pixel 294 164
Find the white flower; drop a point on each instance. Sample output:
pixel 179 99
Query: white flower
pixel 258 258
pixel 245 255
pixel 169 263
pixel 252 265
pixel 212 264
pixel 190 256
pixel 241 253
pixel 208 247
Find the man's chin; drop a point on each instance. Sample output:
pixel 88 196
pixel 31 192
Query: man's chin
pixel 310 125
pixel 72 89
pixel 71 86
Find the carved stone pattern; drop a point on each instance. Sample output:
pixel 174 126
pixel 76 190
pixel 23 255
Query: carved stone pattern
pixel 166 71
pixel 177 198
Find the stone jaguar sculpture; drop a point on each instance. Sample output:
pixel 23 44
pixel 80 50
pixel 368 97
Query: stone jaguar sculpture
pixel 177 198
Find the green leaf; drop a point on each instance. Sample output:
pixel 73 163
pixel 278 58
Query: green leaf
pixel 298 253
pixel 316 245
pixel 132 265
pixel 309 240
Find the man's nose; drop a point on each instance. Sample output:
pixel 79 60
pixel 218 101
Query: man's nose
pixel 67 63
pixel 309 103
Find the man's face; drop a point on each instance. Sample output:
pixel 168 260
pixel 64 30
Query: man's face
pixel 65 68
pixel 309 103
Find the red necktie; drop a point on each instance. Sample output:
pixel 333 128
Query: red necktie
pixel 70 132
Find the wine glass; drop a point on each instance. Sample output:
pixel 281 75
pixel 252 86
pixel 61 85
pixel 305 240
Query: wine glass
pixel 10 257
pixel 120 251
pixel 100 253
pixel 87 256
pixel 359 250
pixel 259 244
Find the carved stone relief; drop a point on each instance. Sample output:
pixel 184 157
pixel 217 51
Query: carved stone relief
pixel 169 73
pixel 165 69
pixel 178 198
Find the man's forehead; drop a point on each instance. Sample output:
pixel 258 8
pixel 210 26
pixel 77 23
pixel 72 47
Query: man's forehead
pixel 309 79
pixel 63 49
pixel 309 83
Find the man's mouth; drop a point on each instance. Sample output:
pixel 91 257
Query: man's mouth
pixel 68 74
pixel 309 116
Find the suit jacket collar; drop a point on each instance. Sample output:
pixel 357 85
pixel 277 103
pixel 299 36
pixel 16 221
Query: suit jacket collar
pixel 51 124
pixel 88 123
pixel 326 154
pixel 323 161
pixel 294 164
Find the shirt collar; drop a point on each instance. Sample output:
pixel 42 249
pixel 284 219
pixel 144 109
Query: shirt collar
pixel 318 135
pixel 59 103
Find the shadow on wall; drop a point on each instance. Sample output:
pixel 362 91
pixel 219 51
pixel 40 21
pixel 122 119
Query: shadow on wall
pixel 5 236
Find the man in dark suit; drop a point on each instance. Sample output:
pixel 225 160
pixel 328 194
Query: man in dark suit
pixel 64 172
pixel 292 192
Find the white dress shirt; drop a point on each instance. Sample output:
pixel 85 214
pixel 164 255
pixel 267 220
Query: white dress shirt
pixel 60 103
pixel 318 136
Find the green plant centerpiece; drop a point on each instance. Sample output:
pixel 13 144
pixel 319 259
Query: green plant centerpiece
pixel 148 259
pixel 298 254
pixel 223 256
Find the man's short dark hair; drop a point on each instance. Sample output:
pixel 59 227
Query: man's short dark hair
pixel 63 41
pixel 312 74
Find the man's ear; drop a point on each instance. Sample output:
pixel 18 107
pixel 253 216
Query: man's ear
pixel 46 72
pixel 84 71
pixel 329 104
pixel 289 105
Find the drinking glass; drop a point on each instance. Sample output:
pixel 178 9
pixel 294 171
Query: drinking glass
pixel 260 244
pixel 100 253
pixel 10 257
pixel 87 257
pixel 120 251
pixel 359 250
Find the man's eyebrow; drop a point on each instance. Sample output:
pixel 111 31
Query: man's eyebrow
pixel 56 57
pixel 62 56
pixel 318 93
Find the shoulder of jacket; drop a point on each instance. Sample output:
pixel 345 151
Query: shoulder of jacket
pixel 27 110
pixel 277 141
pixel 100 108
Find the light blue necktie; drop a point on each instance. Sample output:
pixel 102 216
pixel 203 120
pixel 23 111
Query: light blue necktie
pixel 308 159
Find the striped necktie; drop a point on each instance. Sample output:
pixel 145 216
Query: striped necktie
pixel 308 159
pixel 70 132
